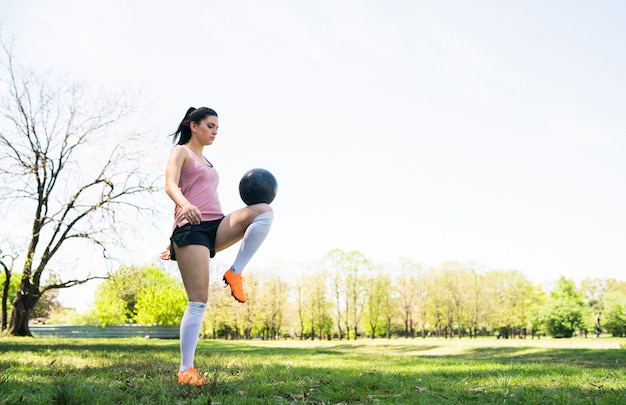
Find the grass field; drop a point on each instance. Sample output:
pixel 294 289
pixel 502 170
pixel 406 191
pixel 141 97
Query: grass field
pixel 420 371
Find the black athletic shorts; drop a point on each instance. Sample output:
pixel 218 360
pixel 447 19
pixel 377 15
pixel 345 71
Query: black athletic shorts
pixel 189 234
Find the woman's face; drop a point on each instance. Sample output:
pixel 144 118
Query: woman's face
pixel 205 131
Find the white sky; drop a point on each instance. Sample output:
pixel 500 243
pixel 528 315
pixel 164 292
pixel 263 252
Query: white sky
pixel 480 131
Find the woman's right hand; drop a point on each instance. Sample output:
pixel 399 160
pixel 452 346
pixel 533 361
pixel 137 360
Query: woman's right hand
pixel 191 214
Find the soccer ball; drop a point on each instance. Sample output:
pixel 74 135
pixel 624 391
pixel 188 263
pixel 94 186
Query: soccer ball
pixel 258 186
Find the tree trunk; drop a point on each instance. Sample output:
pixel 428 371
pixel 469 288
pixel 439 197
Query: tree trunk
pixel 5 296
pixel 26 299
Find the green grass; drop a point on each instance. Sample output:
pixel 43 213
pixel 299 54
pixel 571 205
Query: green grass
pixel 420 371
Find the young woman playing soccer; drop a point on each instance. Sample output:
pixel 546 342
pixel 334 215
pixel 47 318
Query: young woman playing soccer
pixel 201 229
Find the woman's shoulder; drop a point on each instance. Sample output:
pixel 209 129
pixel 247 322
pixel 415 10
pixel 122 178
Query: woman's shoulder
pixel 179 152
pixel 180 149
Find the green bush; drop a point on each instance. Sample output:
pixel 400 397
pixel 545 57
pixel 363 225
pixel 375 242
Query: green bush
pixel 14 285
pixel 144 295
pixel 110 306
pixel 562 314
pixel 560 318
pixel 161 304
pixel 615 314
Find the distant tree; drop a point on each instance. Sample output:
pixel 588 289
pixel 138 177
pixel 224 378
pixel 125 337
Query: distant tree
pixel 476 302
pixel 512 296
pixel 64 161
pixel 421 283
pixel 436 303
pixel 348 271
pixel 317 305
pixel 388 306
pixel 249 311
pixel 562 314
pixel 301 308
pixel 539 298
pixel 593 291
pixel 566 289
pixel 357 266
pixel 408 294
pixel 613 285
pixel 453 278
pixel 225 319
pixel 378 303
pixel 334 264
pixel 272 307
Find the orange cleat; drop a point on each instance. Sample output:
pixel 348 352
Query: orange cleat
pixel 235 281
pixel 191 377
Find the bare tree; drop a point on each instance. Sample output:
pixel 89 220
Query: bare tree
pixel 319 304
pixel 347 287
pixel 273 307
pixel 406 287
pixel 357 266
pixel 300 305
pixel 333 262
pixel 66 160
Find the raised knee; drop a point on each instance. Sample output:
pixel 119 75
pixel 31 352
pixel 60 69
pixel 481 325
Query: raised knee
pixel 259 209
pixel 263 208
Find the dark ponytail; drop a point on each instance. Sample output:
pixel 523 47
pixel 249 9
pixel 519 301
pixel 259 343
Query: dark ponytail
pixel 183 133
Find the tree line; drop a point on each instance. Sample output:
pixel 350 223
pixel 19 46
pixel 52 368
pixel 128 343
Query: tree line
pixel 349 297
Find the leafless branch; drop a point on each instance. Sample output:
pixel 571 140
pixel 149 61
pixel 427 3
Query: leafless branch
pixel 71 283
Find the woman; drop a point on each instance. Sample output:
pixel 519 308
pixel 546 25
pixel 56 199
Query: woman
pixel 201 229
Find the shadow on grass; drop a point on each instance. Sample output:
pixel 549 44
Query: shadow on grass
pixel 584 357
pixel 143 371
pixel 605 358
pixel 79 345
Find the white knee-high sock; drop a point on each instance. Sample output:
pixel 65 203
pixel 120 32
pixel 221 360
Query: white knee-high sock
pixel 252 239
pixel 190 333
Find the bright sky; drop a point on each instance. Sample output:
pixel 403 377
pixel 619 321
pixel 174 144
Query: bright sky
pixel 435 130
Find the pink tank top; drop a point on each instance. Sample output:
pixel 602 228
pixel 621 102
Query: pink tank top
pixel 198 183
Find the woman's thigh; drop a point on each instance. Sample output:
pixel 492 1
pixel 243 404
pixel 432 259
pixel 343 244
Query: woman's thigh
pixel 193 263
pixel 234 225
